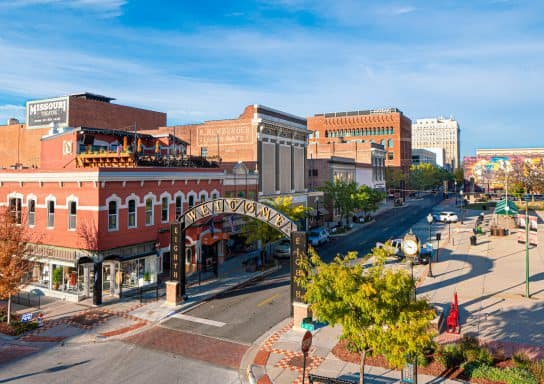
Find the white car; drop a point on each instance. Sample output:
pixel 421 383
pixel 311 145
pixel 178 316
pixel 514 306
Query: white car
pixel 448 217
pixel 282 250
pixel 394 247
pixel 318 236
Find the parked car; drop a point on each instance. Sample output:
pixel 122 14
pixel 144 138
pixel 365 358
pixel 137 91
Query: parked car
pixel 318 236
pixel 394 247
pixel 282 249
pixel 448 217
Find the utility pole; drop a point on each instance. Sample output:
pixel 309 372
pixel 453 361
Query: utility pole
pixel 527 249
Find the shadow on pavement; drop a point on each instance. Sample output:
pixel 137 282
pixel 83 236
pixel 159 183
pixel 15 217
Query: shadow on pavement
pixel 48 370
pixel 370 379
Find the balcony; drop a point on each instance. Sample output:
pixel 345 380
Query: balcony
pixel 130 160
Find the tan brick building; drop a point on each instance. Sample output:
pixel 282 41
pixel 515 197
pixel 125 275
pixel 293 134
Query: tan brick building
pixel 270 142
pixel 388 127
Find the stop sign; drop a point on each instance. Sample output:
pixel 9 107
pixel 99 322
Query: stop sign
pixel 306 342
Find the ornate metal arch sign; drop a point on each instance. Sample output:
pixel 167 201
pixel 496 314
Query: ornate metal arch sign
pixel 239 206
pixel 175 288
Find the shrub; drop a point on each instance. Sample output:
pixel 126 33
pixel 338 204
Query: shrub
pixel 521 360
pixel 508 375
pixel 450 356
pixel 478 355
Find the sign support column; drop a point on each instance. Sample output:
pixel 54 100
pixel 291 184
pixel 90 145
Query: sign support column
pixel 175 288
pixel 299 252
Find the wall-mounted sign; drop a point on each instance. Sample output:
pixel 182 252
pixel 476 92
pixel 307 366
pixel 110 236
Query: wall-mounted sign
pixel 41 113
pixel 245 207
pixel 299 252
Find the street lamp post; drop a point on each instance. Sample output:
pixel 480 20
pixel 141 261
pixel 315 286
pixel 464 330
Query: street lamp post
pixel 462 205
pixel 430 221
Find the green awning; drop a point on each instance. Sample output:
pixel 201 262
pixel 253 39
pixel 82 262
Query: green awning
pixel 500 208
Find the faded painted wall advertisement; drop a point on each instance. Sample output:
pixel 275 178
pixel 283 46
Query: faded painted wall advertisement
pixel 41 113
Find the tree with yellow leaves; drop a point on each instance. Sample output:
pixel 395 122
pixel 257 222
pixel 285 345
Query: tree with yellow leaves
pixel 14 263
pixel 374 307
pixel 258 230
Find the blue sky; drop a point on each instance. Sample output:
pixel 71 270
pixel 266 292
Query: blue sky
pixel 480 61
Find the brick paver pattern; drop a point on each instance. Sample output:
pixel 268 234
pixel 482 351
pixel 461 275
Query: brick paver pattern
pixel 219 352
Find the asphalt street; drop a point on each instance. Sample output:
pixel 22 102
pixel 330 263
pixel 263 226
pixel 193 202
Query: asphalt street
pixel 389 225
pixel 244 314
pixel 240 315
pixel 112 362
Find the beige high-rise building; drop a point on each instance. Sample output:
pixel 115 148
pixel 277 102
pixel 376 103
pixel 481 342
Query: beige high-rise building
pixel 438 133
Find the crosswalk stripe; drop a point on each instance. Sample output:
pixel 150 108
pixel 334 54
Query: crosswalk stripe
pixel 200 320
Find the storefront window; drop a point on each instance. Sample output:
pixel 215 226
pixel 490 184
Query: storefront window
pixel 139 272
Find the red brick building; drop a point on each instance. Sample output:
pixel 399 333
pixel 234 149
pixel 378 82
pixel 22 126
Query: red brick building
pixel 389 127
pixel 20 143
pixel 102 204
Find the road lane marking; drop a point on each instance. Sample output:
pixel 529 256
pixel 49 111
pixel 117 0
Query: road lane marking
pixel 200 320
pixel 266 301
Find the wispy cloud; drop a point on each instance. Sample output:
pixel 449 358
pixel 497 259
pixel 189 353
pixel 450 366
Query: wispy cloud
pixel 106 8
pixel 402 10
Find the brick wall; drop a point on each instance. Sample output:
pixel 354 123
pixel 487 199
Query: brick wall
pixel 401 136
pixel 18 144
pixel 97 114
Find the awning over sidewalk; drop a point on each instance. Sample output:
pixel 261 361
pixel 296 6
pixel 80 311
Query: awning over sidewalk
pixel 500 208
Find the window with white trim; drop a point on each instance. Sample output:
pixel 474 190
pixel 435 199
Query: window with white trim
pixel 132 213
pixel 179 206
pixel 31 212
pixel 164 209
pixel 149 211
pixel 72 214
pixel 112 215
pixel 191 201
pixel 50 213
pixel 15 204
pixel 215 195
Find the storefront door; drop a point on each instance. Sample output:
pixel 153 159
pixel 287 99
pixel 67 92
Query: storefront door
pixel 106 279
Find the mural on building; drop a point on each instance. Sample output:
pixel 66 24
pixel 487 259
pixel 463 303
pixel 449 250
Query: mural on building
pixel 487 173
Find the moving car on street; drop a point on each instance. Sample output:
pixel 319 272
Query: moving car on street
pixel 448 217
pixel 318 236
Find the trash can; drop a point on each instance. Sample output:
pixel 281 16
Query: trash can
pixel 473 240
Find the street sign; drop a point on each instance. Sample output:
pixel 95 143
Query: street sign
pixel 526 197
pixel 306 342
pixel 27 317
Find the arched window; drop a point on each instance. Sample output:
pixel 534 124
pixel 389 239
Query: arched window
pixel 112 216
pixel 31 212
pixel 50 213
pixel 383 142
pixel 390 144
pixel 132 214
pixel 165 211
pixel 72 214
pixel 191 201
pixel 179 205
pixel 149 211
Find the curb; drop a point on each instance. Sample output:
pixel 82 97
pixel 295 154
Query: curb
pixel 247 369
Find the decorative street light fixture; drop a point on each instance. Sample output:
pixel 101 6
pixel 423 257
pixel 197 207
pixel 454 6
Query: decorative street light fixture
pixel 430 221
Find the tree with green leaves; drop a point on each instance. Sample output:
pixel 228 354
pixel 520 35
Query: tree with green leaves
pixel 426 176
pixel 459 176
pixel 368 199
pixel 256 230
pixel 374 306
pixel 341 195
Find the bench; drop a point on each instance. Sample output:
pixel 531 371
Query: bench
pixel 329 380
